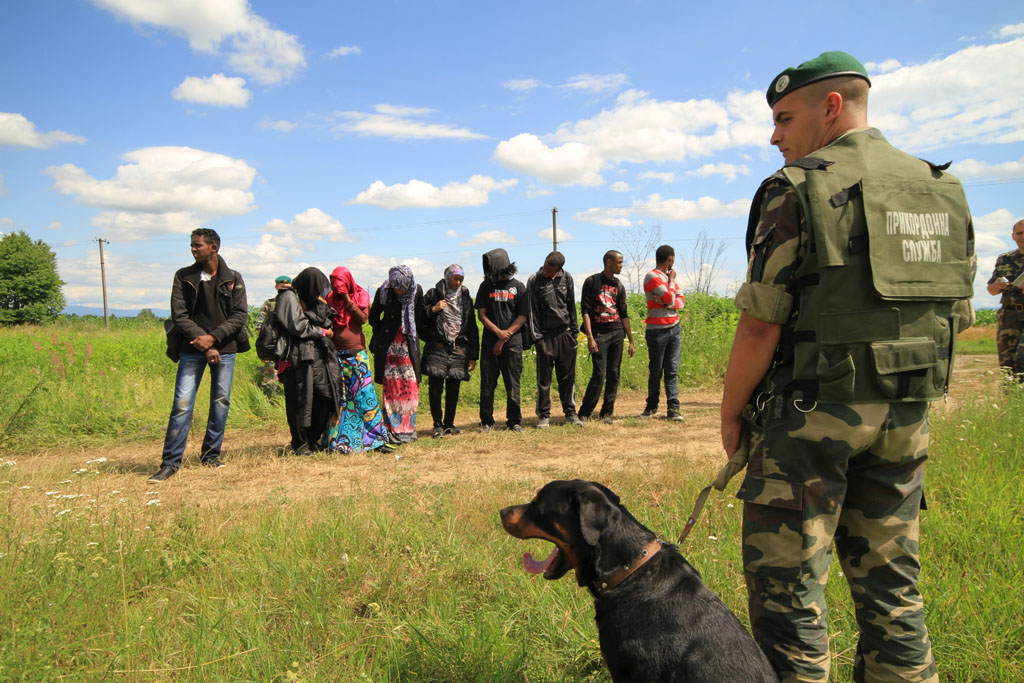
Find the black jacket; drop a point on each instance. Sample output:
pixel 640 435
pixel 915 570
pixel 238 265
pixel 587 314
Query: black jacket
pixel 442 358
pixel 182 329
pixel 385 323
pixel 564 291
pixel 313 359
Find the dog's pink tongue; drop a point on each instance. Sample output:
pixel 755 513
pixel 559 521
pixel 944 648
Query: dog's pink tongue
pixel 533 566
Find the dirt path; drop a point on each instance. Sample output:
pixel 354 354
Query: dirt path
pixel 256 469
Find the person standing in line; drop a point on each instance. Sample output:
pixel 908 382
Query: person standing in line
pixel 207 327
pixel 502 307
pixel 605 323
pixel 310 373
pixel 846 332
pixel 268 373
pixel 359 425
pixel 396 351
pixel 452 344
pixel 662 333
pixel 554 328
pixel 1010 318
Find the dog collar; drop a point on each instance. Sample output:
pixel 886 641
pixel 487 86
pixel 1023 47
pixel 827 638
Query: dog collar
pixel 613 579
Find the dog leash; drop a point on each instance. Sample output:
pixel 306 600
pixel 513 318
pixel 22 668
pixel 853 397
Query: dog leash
pixel 736 463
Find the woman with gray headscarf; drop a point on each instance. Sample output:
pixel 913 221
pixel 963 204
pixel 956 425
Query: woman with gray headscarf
pixel 452 345
pixel 396 351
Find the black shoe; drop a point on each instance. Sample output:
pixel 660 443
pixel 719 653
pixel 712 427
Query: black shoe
pixel 304 449
pixel 674 416
pixel 452 431
pixel 515 428
pixel 384 450
pixel 213 461
pixel 438 432
pixel 574 420
pixel 485 428
pixel 165 472
pixel 582 418
pixel 607 419
pixel 649 412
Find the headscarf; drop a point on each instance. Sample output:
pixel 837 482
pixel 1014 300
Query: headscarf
pixel 310 285
pixel 451 316
pixel 401 277
pixel 342 282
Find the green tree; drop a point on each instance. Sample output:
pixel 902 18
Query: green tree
pixel 29 284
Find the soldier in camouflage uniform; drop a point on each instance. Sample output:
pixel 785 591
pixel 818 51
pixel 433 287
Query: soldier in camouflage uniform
pixel 832 463
pixel 268 373
pixel 1010 319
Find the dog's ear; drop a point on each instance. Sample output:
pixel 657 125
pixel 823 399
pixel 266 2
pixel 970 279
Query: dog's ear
pixel 596 512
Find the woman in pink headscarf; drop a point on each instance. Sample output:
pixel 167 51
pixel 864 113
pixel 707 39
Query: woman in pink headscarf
pixel 359 425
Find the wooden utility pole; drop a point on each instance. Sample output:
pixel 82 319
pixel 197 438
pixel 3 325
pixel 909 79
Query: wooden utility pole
pixel 103 279
pixel 554 228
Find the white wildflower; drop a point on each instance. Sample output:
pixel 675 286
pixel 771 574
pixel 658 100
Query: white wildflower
pixel 152 493
pixel 62 512
pixel 89 462
pixel 730 506
pixel 24 488
pixel 8 463
pixel 80 471
pixel 114 493
pixel 51 493
pixel 154 501
pixel 712 538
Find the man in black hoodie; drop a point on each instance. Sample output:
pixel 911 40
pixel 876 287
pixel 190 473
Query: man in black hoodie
pixel 502 307
pixel 207 327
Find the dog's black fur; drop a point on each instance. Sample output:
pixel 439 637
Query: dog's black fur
pixel 661 623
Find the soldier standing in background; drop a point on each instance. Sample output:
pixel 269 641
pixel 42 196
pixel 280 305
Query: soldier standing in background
pixel 861 264
pixel 268 373
pixel 1010 319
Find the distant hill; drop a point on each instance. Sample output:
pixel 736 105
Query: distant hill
pixel 119 312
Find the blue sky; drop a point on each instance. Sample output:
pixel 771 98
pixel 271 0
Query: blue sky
pixel 367 135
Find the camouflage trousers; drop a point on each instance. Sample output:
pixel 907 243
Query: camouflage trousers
pixel 1010 326
pixel 849 476
pixel 268 378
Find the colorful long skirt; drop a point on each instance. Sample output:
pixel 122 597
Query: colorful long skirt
pixel 359 426
pixel 401 391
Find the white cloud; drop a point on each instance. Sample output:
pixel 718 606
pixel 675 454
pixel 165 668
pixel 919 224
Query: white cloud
pixel 15 129
pixel 343 51
pixel 533 192
pixel 613 218
pixel 280 125
pixel 3 188
pixel 217 90
pixel 545 235
pixel 882 67
pixel 453 234
pixel 521 84
pixel 398 123
pixel 992 233
pixel 687 210
pixel 257 49
pixel 1012 30
pixel 7 222
pixel 417 193
pixel 982 99
pixel 161 190
pixel 596 83
pixel 729 171
pixel 489 237
pixel 620 186
pixel 311 224
pixel 570 164
pixel 972 168
pixel 665 177
pixel 54 225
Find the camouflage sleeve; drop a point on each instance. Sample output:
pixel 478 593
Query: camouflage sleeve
pixel 774 256
pixel 998 271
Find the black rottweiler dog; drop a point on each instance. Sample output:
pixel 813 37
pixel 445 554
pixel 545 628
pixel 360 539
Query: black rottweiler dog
pixel 656 619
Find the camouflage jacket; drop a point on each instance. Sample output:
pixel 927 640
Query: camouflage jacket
pixel 1009 265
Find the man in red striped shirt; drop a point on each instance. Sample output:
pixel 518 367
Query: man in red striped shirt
pixel 664 341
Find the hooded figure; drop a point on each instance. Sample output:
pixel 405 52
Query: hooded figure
pixel 311 377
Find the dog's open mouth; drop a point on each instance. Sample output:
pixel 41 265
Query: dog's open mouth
pixel 553 567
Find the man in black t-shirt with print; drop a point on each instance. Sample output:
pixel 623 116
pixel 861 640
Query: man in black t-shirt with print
pixel 502 308
pixel 605 322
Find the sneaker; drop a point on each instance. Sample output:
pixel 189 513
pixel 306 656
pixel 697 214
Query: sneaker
pixel 304 449
pixel 485 428
pixel 607 419
pixel 543 423
pixel 574 420
pixel 165 472
pixel 438 432
pixel 384 450
pixel 649 412
pixel 213 462
pixel 674 416
pixel 515 428
pixel 582 418
pixel 452 431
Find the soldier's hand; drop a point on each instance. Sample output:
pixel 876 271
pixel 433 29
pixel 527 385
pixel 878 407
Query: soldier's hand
pixel 731 431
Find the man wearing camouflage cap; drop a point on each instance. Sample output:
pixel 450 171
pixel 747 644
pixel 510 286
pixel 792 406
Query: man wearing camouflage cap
pixel 1010 319
pixel 861 259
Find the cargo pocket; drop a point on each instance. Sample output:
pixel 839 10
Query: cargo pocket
pixel 902 367
pixel 836 375
pixel 773 543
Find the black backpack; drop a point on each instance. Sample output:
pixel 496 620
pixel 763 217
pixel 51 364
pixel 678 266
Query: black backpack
pixel 266 340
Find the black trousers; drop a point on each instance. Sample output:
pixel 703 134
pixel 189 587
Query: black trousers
pixel 320 414
pixel 558 353
pixel 450 387
pixel 607 362
pixel 509 365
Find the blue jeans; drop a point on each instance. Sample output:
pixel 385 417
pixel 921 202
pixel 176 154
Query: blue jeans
pixel 186 384
pixel 663 348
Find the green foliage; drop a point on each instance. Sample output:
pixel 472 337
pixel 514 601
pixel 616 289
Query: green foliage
pixel 985 316
pixel 29 285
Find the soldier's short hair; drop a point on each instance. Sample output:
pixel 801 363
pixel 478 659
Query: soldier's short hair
pixel 208 234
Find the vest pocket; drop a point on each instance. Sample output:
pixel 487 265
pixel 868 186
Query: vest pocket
pixel 902 367
pixel 836 375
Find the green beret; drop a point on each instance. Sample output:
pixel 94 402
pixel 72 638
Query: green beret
pixel 282 278
pixel 825 65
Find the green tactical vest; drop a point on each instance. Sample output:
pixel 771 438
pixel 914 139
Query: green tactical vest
pixel 888 259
